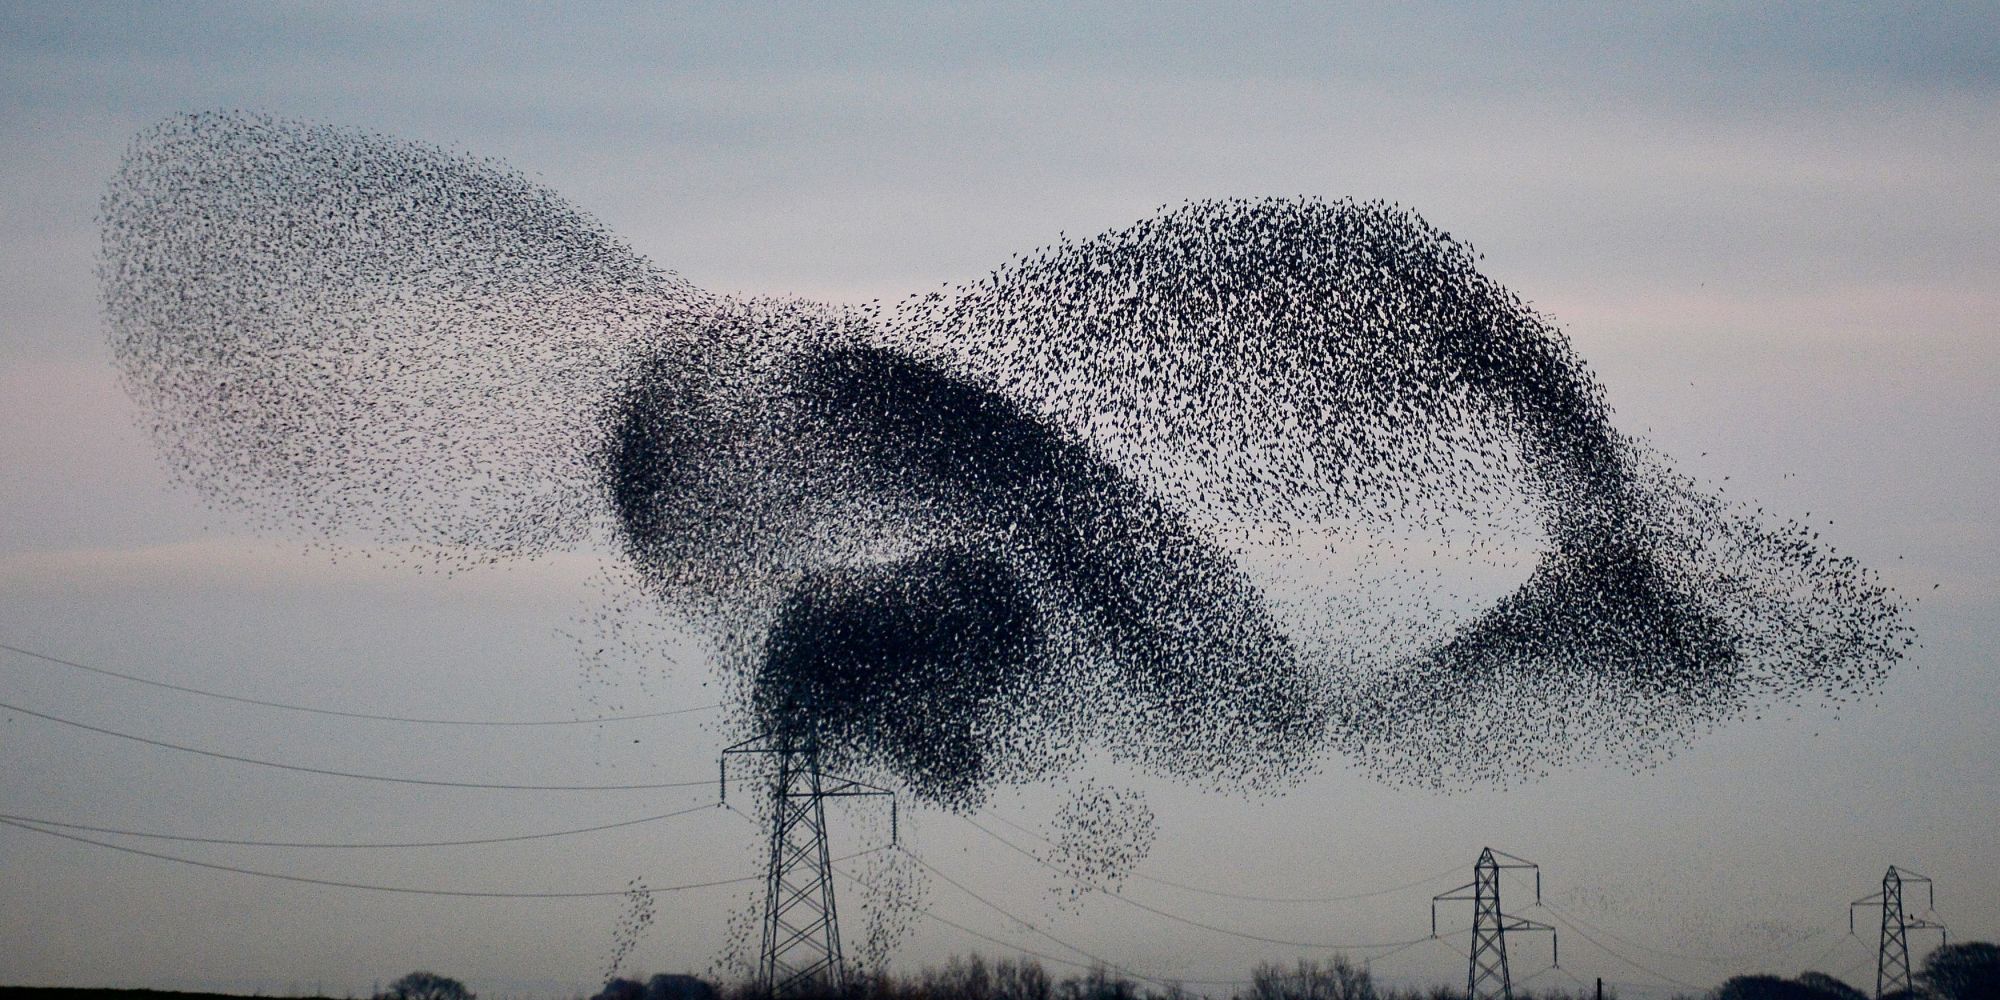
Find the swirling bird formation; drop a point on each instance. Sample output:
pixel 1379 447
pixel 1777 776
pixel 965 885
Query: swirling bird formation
pixel 963 540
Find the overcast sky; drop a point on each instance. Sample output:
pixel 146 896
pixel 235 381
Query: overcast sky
pixel 1773 231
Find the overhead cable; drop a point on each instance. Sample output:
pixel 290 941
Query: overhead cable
pixel 410 890
pixel 1224 894
pixel 1191 922
pixel 339 713
pixel 348 774
pixel 183 838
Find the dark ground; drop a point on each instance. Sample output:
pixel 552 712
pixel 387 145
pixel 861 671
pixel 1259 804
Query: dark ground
pixel 57 993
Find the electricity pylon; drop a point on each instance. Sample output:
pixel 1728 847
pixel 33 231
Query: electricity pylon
pixel 1486 974
pixel 1892 960
pixel 800 954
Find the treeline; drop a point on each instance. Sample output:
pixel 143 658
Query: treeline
pixel 973 977
pixel 1964 971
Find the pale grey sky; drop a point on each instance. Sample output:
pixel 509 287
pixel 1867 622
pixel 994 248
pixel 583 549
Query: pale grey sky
pixel 1772 230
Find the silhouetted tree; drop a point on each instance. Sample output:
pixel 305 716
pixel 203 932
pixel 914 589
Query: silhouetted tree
pixel 1098 984
pixel 664 986
pixel 426 986
pixel 1310 979
pixel 678 986
pixel 1022 980
pixel 1830 986
pixel 1766 988
pixel 622 989
pixel 968 978
pixel 1969 970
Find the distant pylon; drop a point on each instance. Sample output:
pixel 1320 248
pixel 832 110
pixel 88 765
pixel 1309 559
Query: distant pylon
pixel 1892 960
pixel 800 952
pixel 1486 974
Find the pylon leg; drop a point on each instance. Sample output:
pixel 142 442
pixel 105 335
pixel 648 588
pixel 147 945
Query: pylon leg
pixel 1486 975
pixel 1892 961
pixel 801 945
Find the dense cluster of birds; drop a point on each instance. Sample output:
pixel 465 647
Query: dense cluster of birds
pixel 1101 835
pixel 633 921
pixel 1249 481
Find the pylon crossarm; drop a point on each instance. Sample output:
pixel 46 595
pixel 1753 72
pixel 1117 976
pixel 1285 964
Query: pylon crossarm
pixel 848 793
pixel 1448 897
pixel 836 787
pixel 722 765
pixel 752 745
pixel 1515 923
pixel 762 743
pixel 1925 924
pixel 835 784
pixel 1875 900
pixel 1519 862
pixel 1930 888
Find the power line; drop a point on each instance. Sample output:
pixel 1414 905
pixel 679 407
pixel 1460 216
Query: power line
pixel 1432 877
pixel 346 774
pixel 1190 921
pixel 995 907
pixel 1009 945
pixel 1097 960
pixel 1719 960
pixel 1646 989
pixel 408 890
pixel 1399 949
pixel 1010 845
pixel 1663 977
pixel 38 821
pixel 338 713
pixel 1714 959
pixel 1349 897
pixel 926 911
pixel 1853 967
pixel 1532 976
pixel 1573 977
pixel 369 886
pixel 1824 955
pixel 1044 956
pixel 1071 962
pixel 1266 940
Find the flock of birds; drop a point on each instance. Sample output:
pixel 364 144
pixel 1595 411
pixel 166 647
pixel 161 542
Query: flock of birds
pixel 1101 835
pixel 636 918
pixel 1247 483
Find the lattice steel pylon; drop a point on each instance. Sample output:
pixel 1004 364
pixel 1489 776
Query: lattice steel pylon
pixel 1486 974
pixel 1892 960
pixel 800 952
